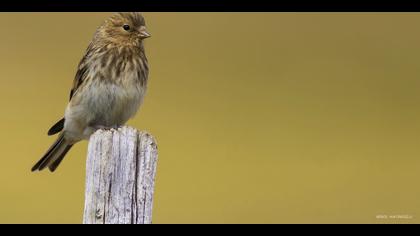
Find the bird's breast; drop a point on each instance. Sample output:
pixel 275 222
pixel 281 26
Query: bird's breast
pixel 114 103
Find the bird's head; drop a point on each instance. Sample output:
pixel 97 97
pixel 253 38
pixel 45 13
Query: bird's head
pixel 125 29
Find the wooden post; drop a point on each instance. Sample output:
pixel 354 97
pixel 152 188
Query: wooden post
pixel 120 177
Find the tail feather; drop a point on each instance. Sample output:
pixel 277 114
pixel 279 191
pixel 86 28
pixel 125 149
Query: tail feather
pixel 53 166
pixel 55 154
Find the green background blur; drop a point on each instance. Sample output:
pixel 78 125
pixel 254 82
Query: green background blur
pixel 260 118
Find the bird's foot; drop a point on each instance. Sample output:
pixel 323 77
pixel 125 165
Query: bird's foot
pixel 98 127
pixel 115 127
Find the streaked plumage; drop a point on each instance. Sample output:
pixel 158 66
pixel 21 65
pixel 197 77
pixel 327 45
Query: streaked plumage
pixel 108 88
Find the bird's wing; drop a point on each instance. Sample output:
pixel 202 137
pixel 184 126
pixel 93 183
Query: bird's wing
pixel 81 71
pixel 57 127
pixel 78 80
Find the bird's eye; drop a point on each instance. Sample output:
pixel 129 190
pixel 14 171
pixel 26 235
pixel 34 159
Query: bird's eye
pixel 126 27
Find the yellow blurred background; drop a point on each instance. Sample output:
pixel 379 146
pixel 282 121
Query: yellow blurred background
pixel 259 117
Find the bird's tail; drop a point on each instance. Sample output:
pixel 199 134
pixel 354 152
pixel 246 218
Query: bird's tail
pixel 54 155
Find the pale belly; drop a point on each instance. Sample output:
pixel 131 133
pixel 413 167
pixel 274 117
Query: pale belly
pixel 102 105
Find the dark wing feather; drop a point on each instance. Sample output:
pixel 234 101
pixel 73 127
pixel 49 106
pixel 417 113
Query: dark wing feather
pixel 56 128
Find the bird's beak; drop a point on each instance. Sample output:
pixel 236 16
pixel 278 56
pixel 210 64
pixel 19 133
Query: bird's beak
pixel 143 33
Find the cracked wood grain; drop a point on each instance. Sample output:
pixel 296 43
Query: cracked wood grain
pixel 120 177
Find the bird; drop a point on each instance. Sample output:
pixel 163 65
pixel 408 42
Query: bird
pixel 108 88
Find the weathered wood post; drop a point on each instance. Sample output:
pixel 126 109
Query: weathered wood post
pixel 120 177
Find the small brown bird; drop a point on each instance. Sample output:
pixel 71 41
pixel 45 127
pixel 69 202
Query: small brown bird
pixel 108 88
